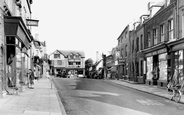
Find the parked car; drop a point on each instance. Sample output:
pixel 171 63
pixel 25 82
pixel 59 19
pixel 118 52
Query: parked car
pixel 80 75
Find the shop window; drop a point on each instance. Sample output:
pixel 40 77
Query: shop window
pixel 171 35
pixel 163 66
pixel 141 68
pixel 179 63
pixel 162 33
pixel 149 74
pixel 155 36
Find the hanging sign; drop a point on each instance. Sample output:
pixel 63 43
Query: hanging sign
pixel 31 22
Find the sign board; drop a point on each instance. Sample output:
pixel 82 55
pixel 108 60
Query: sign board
pixel 31 22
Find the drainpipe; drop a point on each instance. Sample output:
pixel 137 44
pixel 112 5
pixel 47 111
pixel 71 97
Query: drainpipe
pixel 177 13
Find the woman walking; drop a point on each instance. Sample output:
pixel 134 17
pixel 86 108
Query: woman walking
pixel 31 79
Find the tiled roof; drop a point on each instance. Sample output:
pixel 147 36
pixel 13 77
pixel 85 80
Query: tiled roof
pixel 67 52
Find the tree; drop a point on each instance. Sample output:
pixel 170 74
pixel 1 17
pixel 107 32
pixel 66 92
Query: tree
pixel 88 65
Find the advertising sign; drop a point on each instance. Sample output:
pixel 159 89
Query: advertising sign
pixel 31 22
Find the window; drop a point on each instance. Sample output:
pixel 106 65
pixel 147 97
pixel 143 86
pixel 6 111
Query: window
pixel 126 35
pixel 119 41
pixel 78 63
pixel 149 39
pixel 168 2
pixel 141 45
pixel 171 29
pixel 59 62
pixel 121 53
pixel 162 33
pixel 155 36
pixel 183 26
pixel 77 56
pixel 137 44
pixel 71 56
pixel 126 50
pixel 56 55
pixel 70 63
pixel 132 45
pixel 141 68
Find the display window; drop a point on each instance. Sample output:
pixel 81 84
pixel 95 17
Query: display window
pixel 178 63
pixel 163 66
pixel 149 74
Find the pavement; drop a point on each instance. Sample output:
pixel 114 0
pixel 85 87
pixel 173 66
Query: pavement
pixel 155 90
pixel 42 100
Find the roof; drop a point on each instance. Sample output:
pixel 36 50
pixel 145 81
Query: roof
pixel 67 52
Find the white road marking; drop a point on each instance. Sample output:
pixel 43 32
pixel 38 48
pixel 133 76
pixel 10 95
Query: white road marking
pixel 149 102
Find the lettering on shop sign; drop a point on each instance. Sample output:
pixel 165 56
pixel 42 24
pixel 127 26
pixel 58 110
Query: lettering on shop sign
pixel 156 52
pixel 178 47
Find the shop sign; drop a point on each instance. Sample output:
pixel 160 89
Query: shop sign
pixel 31 22
pixel 156 52
pixel 178 47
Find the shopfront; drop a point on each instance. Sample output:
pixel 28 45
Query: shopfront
pixel 18 39
pixel 177 55
pixel 156 67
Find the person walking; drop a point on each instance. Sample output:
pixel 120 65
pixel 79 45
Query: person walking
pixel 31 79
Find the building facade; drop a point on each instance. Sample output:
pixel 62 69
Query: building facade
pixel 123 53
pixel 159 31
pixel 70 61
pixel 155 46
pixel 15 39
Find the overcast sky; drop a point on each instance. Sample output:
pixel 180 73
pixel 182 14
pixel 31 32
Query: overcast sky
pixel 87 25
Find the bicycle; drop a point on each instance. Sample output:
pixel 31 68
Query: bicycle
pixel 177 91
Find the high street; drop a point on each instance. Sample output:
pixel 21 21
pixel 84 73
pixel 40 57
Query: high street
pixel 82 96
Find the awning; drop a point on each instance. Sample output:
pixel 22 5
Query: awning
pixel 14 26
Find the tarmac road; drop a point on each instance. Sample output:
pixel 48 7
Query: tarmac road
pixel 82 96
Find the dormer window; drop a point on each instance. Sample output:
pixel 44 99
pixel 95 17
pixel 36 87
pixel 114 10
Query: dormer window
pixel 77 56
pixel 56 55
pixel 71 56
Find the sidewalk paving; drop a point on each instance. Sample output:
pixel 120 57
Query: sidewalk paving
pixel 158 91
pixel 42 100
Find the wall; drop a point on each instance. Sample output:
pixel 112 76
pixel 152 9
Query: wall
pixel 62 58
pixel 156 21
pixel 181 12
pixel 2 72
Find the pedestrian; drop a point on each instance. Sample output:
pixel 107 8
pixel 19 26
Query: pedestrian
pixel 47 75
pixel 31 79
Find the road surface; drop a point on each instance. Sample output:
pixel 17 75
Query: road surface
pixel 82 96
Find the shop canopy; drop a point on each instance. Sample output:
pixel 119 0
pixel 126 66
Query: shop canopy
pixel 14 26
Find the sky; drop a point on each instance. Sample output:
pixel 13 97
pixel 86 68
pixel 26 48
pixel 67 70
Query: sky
pixel 85 25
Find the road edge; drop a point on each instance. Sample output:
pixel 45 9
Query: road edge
pixel 63 111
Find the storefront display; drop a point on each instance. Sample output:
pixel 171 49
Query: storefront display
pixel 149 68
pixel 178 63
pixel 18 66
pixel 163 66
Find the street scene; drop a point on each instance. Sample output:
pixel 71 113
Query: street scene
pixel 92 57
